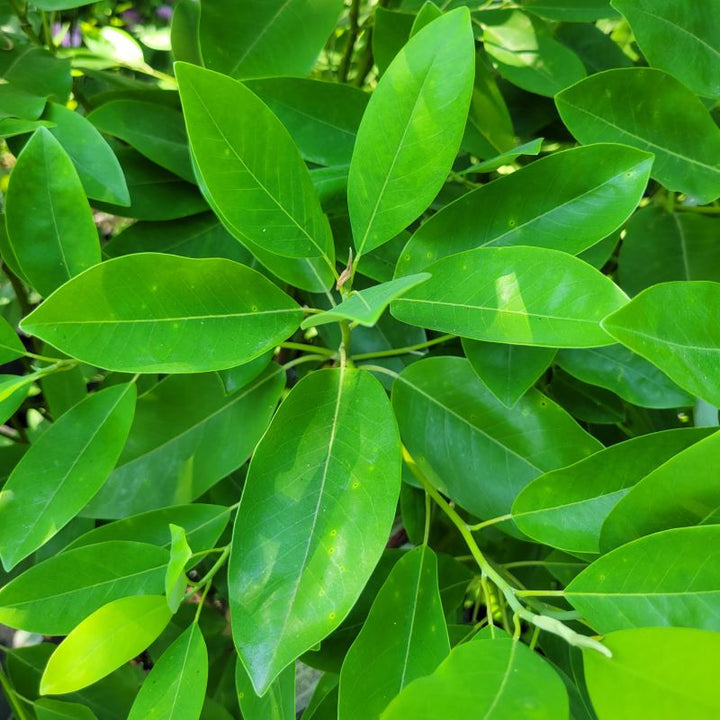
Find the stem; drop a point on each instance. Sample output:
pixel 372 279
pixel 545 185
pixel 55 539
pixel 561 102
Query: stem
pixel 492 521
pixel 308 348
pixel 12 696
pixel 541 563
pixel 303 359
pixel 404 350
pixel 380 369
pixel 352 39
pixel 47 32
pixel 210 574
pixel 345 344
pixel 539 593
pixel 201 604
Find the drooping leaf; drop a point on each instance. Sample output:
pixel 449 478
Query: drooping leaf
pixel 41 497
pixel 175 578
pixel 278 703
pixel 108 638
pixel 150 312
pixel 669 578
pixel 687 352
pixel 496 294
pixel 411 131
pixel 406 621
pixel 638 107
pixel 49 223
pixel 336 486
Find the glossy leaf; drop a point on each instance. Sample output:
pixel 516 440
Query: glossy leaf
pixel 411 131
pixel 175 687
pixel 108 638
pixel 472 447
pixel 49 223
pixel 638 106
pixel 499 679
pixel 497 295
pixel 278 703
pixel 137 315
pixel 570 10
pixel 175 578
pixel 566 508
pixel 40 497
pixel 687 353
pixel 669 578
pixel 48 709
pixel 53 596
pixel 571 200
pixel 16 103
pixel 336 486
pixel 10 345
pixel 406 621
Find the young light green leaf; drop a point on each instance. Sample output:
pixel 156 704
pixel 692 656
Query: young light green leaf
pixel 49 223
pixel 499 679
pixel 571 200
pixel 687 352
pixel 175 688
pixel 49 709
pixel 411 130
pixel 603 108
pixel 496 294
pixel 669 578
pixel 278 703
pixel 10 345
pixel 566 508
pixel 150 312
pixel 104 641
pixel 335 485
pixel 52 597
pixel 366 306
pixel 472 447
pixel 659 673
pixel 682 39
pixel 175 579
pixel 41 497
pixel 683 491
pixel 407 622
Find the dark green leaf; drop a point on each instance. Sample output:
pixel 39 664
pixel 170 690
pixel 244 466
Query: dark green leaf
pixel 278 703
pixel 570 10
pixel 10 345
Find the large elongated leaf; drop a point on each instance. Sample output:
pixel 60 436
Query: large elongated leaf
pixel 406 621
pixel 104 641
pixel 278 703
pixel 566 508
pixel 471 446
pixel 335 486
pixel 687 352
pixel 682 39
pixel 49 223
pixel 411 130
pixel 41 497
pixel 499 679
pixel 175 687
pixel 669 578
pixel 571 200
pixel 152 312
pixel 187 435
pixel 638 107
pixel 53 596
pixel 498 295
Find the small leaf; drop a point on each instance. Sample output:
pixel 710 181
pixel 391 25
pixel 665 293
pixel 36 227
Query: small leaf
pixel 10 346
pixel 278 703
pixel 175 578
pixel 48 709
pixel 107 639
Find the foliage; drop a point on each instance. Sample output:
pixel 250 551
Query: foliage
pixel 375 337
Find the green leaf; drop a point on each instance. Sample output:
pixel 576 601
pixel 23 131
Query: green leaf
pixel 688 353
pixel 175 687
pixel 532 147
pixel 407 622
pixel 107 639
pixel 659 673
pixel 427 13
pixel 596 49
pixel 679 38
pixel 628 375
pixel 278 703
pixel 682 491
pixel 411 131
pixel 238 377
pixel 175 579
pixel 472 447
pixel 99 170
pixel 566 508
pixel 638 106
pixel 496 294
pixel 53 5
pixel 10 127
pixel 509 371
pixel 259 39
pixel 669 578
pixel 48 709
pixel 575 11
pixel 499 679
pixel 39 72
pixel 187 435
pixel 41 497
pixel 585 402
pixel 16 103
pixel 53 596
pixel 525 53
pixel 13 391
pixel 184 36
pixel 366 306
pixel 157 131
pixel 335 485
pixel 10 345
pixel 391 31
pixel 49 223
pixel 571 200
pixel 149 312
